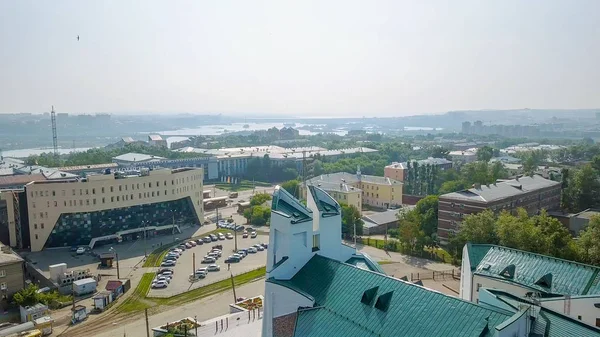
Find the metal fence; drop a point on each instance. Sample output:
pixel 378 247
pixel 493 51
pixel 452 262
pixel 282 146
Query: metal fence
pixel 452 274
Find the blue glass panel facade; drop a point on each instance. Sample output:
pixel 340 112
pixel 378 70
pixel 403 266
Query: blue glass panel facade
pixel 74 229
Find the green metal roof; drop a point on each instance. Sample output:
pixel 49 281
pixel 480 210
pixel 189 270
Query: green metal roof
pixel 325 203
pixel 414 311
pixel 364 260
pixel 285 204
pixel 567 277
pixel 561 326
pixel 477 253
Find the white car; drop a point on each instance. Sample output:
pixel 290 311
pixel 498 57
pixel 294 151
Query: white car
pixel 260 248
pixel 159 284
pixel 80 251
pixel 213 267
pixel 167 273
pixel 221 236
pixel 216 251
pixel 253 235
pixel 252 250
pixel 209 259
pixel 229 236
pixel 163 278
pixel 202 270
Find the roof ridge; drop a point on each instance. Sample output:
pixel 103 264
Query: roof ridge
pixel 536 254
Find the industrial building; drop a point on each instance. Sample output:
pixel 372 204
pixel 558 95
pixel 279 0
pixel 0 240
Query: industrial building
pixel 100 208
pixel 318 286
pixel 531 193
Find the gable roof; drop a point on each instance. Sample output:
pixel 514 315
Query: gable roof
pixel 325 203
pixel 337 289
pixel 505 189
pixel 137 157
pixel 349 178
pixel 288 206
pixel 530 269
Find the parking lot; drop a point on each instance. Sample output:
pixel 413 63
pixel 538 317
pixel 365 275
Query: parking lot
pixel 185 265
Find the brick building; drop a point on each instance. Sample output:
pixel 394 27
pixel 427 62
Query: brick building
pixel 531 193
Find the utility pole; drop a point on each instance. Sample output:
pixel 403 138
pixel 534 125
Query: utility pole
pixel 233 287
pixel 73 295
pixel 235 237
pixel 54 136
pixel 147 324
pixel 196 324
pixel 193 263
pixel 118 274
pixel 355 219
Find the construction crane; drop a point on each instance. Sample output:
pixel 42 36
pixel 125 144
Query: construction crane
pixel 54 137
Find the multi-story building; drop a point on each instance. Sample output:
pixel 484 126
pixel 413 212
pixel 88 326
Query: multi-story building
pixel 399 171
pixel 463 156
pixel 531 193
pixel 105 207
pixel 342 193
pixel 157 140
pixel 11 272
pixel 380 192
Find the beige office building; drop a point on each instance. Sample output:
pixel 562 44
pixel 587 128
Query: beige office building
pixel 111 207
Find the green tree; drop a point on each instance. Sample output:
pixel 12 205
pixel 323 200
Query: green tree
pixel 558 241
pixel 427 211
pixel 589 242
pixel 519 232
pixel 485 153
pixel 452 186
pixel 584 189
pixel 410 233
pixel 293 187
pixel 350 217
pixel 478 228
pixel 27 296
pixel 259 199
pixel 260 215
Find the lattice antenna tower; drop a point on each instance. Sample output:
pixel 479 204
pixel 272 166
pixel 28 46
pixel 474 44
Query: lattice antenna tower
pixel 54 137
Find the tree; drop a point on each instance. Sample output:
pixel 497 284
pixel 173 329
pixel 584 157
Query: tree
pixel 589 242
pixel 410 233
pixel 350 217
pixel 557 240
pixel 260 215
pixel 293 187
pixel 519 232
pixel 485 153
pixel 427 211
pixel 259 199
pixel 478 228
pixel 452 186
pixel 584 189
pixel 27 296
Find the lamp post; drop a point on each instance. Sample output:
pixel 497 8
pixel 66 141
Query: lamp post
pixel 117 258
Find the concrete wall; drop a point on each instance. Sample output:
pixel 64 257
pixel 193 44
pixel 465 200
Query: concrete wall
pixel 280 301
pixel 487 282
pixel 381 195
pixel 465 276
pixel 48 200
pixel 582 308
pixel 13 278
pixel 291 241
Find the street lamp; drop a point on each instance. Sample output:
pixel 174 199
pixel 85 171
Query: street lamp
pixel 117 258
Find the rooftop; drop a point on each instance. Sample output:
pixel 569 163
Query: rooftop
pixel 325 203
pixel 430 161
pixel 137 157
pixel 542 273
pixel 20 180
pixel 501 190
pixel 388 305
pixel 155 137
pixel 380 218
pixel 336 187
pixel 288 206
pixel 8 256
pixel 349 178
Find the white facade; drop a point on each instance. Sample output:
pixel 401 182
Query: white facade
pixel 582 308
pixel 292 243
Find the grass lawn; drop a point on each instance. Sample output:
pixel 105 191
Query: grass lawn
pixel 234 188
pixel 139 301
pixel 385 262
pixel 156 256
pixel 136 301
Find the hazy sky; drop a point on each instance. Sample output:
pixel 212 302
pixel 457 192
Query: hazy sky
pixel 299 58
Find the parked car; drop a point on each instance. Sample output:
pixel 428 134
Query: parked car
pixel 240 256
pixel 252 250
pixel 242 252
pixel 206 239
pixel 159 284
pixel 168 263
pixel 188 245
pixel 265 245
pixel 177 250
pixel 209 259
pixel 172 256
pixel 166 273
pixel 162 270
pixel 193 243
pixel 232 259
pixel 221 236
pixel 239 228
pixel 216 250
pixel 199 242
pixel 253 235
pixel 197 276
pixel 80 251
pixel 219 247
pixel 259 248
pixel 203 270
pixel 214 255
pixel 213 237
pixel 182 247
pixel 214 267
pixel 229 236
pixel 162 278
pixel 245 235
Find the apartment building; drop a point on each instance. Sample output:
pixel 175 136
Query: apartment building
pixel 342 193
pixel 399 171
pixel 380 192
pixel 531 193
pixel 11 272
pixel 107 207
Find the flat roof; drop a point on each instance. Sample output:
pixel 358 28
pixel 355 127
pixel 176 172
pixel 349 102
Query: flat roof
pixel 501 190
pixel 21 179
pixel 137 157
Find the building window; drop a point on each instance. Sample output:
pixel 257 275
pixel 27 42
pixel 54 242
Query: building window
pixel 165 183
pixel 93 191
pixel 2 273
pixel 73 192
pixel 103 200
pixel 111 189
pixel 94 201
pixel 87 202
pixel 140 196
pixel 117 198
pixel 125 187
pixel 157 193
pixel 80 191
pixel 80 202
pixel 42 226
pixel 102 189
pixel 34 226
pixel 53 193
pixel 119 188
pixel 112 199
pixel 131 197
pixel 165 192
pixel 46 193
pixel 138 186
pixel 65 203
pixel 316 244
pixel 56 204
pixel 36 236
pixel 132 186
pixel 152 193
pixel 48 204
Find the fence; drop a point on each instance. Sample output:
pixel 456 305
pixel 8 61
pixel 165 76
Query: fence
pixel 160 293
pixel 218 325
pixel 452 274
pixel 393 245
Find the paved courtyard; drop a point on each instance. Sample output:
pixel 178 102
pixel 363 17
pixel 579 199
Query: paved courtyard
pixel 185 265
